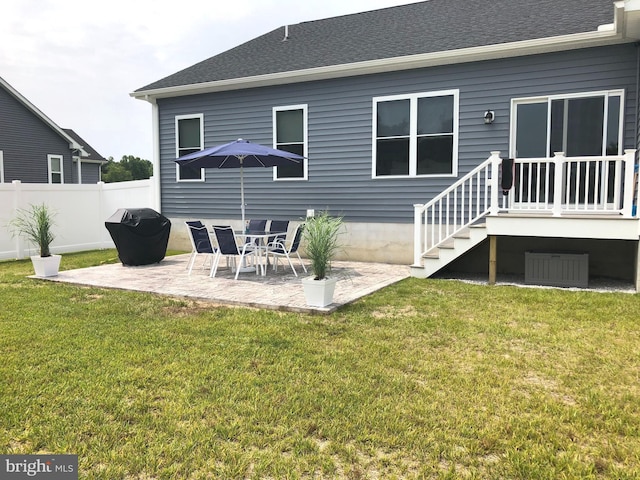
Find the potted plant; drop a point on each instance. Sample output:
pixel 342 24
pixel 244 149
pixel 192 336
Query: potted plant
pixel 36 225
pixel 320 235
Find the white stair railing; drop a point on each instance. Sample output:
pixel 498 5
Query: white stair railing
pixel 459 206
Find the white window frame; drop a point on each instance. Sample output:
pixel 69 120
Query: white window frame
pixel 1 167
pixel 568 96
pixel 51 157
pixel 413 129
pixel 305 166
pixel 199 116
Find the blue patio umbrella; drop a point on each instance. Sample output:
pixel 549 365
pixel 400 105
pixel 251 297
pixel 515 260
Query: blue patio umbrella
pixel 239 154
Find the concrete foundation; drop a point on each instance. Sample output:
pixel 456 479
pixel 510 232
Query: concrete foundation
pixel 393 243
pixel 362 242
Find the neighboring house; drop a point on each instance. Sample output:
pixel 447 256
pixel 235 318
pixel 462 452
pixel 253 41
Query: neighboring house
pixel 398 111
pixel 87 162
pixel 33 149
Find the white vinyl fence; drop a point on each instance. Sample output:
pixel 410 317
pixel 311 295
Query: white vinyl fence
pixel 80 212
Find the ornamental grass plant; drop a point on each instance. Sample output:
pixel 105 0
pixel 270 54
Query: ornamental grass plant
pixel 321 236
pixel 35 224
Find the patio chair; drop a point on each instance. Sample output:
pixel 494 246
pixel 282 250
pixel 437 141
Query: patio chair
pixel 255 226
pixel 227 246
pixel 200 243
pixel 279 249
pixel 278 226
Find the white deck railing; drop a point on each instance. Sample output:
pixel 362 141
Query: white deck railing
pixel 587 185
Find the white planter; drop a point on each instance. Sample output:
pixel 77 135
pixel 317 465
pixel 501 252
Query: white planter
pixel 46 266
pixel 319 293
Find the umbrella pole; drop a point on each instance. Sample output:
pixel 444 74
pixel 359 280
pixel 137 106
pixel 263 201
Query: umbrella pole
pixel 243 267
pixel 242 196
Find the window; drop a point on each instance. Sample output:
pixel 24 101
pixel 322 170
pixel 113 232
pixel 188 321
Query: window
pixel 290 135
pixel 55 168
pixel 587 124
pixel 416 135
pixel 189 139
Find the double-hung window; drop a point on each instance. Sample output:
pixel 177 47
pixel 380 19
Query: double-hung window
pixel 189 139
pixel 56 165
pixel 416 135
pixel 582 124
pixel 290 135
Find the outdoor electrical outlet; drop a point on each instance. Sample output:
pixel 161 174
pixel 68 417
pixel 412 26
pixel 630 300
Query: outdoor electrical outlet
pixel 311 213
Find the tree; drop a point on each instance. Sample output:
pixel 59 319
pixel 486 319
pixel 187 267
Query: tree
pixel 128 168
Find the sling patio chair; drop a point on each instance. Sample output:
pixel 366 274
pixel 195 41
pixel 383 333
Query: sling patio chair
pixel 279 249
pixel 277 226
pixel 200 243
pixel 227 246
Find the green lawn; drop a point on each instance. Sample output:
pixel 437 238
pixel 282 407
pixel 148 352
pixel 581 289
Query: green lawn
pixel 424 379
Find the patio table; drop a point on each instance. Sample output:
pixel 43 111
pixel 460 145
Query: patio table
pixel 261 237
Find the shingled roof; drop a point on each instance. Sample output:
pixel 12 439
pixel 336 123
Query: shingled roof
pixel 417 28
pixel 91 153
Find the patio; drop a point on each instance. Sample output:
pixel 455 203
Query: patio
pixel 279 290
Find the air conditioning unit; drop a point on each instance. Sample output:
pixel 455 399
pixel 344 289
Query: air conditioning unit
pixel 556 269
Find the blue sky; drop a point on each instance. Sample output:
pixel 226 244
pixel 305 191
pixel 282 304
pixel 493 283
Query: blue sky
pixel 78 60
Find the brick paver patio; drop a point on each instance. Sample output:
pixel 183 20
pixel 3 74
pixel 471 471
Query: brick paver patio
pixel 279 290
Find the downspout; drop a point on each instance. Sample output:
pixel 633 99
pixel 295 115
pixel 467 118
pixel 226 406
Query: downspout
pixel 637 121
pixel 155 128
pixel 637 142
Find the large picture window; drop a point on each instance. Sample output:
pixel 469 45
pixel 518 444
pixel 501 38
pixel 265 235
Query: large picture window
pixel 56 164
pixel 189 139
pixel 290 135
pixel 416 135
pixel 584 124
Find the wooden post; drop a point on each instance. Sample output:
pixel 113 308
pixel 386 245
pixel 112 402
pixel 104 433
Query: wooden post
pixel 493 258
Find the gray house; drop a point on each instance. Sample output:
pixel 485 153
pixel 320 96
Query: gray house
pixel 489 135
pixel 33 149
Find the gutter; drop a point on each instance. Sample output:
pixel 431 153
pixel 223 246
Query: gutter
pixel 605 35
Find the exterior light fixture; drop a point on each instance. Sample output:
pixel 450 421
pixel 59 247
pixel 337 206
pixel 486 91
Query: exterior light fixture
pixel 489 116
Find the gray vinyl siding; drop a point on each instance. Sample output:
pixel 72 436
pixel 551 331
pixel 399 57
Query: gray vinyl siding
pixel 90 172
pixel 340 133
pixel 26 141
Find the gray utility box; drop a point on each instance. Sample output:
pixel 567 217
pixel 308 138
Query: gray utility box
pixel 556 269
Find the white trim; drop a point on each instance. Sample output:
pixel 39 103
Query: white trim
pixel 199 116
pixel 155 132
pixel 1 166
pixel 305 139
pixel 50 157
pixel 78 168
pixel 547 99
pixel 413 135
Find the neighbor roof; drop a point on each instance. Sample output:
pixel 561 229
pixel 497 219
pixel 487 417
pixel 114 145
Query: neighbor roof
pixel 91 153
pixel 413 29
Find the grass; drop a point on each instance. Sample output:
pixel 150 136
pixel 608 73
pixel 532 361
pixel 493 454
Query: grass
pixel 429 379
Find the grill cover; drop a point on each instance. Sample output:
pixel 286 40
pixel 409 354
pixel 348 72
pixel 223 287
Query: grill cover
pixel 140 234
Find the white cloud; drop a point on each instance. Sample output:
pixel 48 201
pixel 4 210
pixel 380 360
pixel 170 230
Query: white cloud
pixel 77 60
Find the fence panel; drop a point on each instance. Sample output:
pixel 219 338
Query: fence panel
pixel 80 210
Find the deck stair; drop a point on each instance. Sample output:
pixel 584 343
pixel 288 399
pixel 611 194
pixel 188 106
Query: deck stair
pixel 445 253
